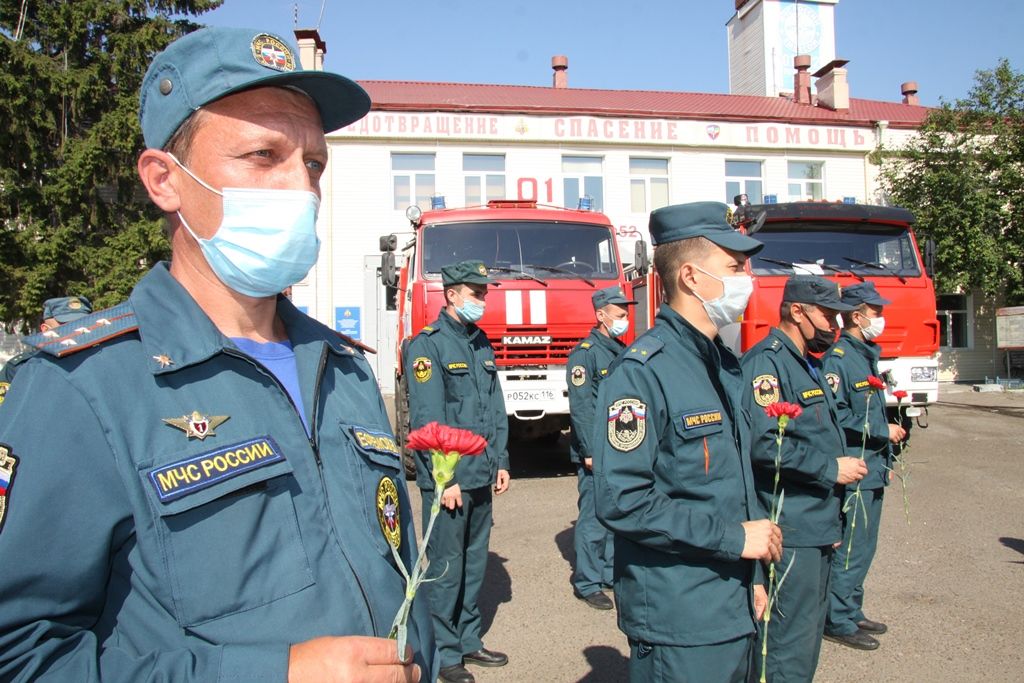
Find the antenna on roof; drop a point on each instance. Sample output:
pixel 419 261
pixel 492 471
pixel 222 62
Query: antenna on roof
pixel 323 6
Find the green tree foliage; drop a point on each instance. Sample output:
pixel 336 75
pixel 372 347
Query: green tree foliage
pixel 73 216
pixel 963 177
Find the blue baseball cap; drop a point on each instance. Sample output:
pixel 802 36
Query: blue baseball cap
pixel 213 62
pixel 814 289
pixel 64 309
pixel 700 219
pixel 863 293
pixel 465 272
pixel 610 295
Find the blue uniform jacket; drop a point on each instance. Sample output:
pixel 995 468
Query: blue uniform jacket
pixel 847 366
pixel 674 485
pixel 453 380
pixel 587 365
pixel 775 371
pixel 169 517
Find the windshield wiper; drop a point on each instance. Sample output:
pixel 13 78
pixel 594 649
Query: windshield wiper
pixel 565 271
pixel 826 266
pixel 878 266
pixel 518 272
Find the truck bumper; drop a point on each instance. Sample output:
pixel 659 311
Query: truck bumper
pixel 533 393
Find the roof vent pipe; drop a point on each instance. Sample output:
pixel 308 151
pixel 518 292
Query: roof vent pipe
pixel 560 79
pixel 909 92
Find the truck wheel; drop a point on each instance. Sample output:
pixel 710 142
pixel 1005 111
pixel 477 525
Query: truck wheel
pixel 402 426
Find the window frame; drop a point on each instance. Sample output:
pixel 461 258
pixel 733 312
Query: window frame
pixel 743 179
pixel 945 317
pixel 483 177
pixel 581 182
pixel 805 182
pixel 412 177
pixel 646 178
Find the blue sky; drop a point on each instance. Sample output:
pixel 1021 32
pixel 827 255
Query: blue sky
pixel 675 45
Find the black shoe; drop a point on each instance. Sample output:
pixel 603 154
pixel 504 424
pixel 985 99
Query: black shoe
pixel 858 640
pixel 872 627
pixel 597 600
pixel 485 657
pixel 455 673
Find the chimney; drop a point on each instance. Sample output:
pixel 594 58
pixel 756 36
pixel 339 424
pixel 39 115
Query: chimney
pixel 311 49
pixel 560 63
pixel 833 90
pixel 802 79
pixel 909 90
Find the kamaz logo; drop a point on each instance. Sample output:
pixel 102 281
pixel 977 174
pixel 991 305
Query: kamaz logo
pixel 523 340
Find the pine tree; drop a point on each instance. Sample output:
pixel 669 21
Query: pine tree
pixel 73 216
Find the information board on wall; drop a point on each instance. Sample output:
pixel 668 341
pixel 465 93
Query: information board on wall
pixel 1010 328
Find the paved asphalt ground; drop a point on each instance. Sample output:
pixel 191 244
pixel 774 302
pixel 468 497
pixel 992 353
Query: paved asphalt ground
pixel 949 584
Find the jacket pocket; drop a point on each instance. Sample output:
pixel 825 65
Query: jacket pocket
pixel 378 472
pixel 228 529
pixel 699 435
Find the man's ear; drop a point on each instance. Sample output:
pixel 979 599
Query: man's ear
pixel 156 172
pixel 685 275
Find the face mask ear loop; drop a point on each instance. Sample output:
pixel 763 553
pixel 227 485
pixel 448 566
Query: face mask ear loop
pixel 193 176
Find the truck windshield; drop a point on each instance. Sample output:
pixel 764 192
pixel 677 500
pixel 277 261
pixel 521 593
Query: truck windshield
pixel 544 249
pixel 864 248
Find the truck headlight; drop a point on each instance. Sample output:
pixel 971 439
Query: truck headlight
pixel 923 374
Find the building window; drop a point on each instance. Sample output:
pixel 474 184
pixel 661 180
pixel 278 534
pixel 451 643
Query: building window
pixel 954 314
pixel 744 177
pixel 485 177
pixel 806 180
pixel 581 176
pixel 413 176
pixel 648 184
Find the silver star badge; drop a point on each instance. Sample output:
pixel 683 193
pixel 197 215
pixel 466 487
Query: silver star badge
pixel 164 360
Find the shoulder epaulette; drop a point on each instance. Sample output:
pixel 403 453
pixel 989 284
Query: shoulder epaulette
pixel 356 343
pixel 643 348
pixel 838 351
pixel 86 332
pixel 585 345
pixel 775 345
pixel 428 329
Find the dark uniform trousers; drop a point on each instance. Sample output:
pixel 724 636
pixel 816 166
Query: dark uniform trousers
pixel 847 366
pixel 775 371
pixel 594 544
pixel 453 380
pixel 727 662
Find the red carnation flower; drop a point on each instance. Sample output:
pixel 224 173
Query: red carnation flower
pixel 439 437
pixel 790 410
pixel 876 383
pixel 899 395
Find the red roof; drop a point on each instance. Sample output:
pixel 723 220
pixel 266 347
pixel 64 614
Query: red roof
pixel 522 99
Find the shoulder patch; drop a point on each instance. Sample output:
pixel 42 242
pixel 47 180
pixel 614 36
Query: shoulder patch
pixel 766 390
pixel 627 424
pixel 643 348
pixel 4 386
pixel 84 333
pixel 833 381
pixel 578 374
pixel 422 369
pixel 8 465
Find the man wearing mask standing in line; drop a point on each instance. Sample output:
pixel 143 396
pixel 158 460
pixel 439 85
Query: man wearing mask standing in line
pixel 813 467
pixel 587 365
pixel 454 381
pixel 673 479
pixel 848 364
pixel 220 459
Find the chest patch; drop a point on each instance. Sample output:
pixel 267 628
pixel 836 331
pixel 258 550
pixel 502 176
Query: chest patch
pixel 201 471
pixel 458 365
pixel 627 424
pixel 3 390
pixel 8 464
pixel 389 512
pixel 811 393
pixel 861 385
pixel 702 419
pixel 579 375
pixel 422 369
pixel 833 381
pixel 380 442
pixel 766 390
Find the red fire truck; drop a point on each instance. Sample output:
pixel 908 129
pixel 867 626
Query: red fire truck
pixel 547 261
pixel 847 243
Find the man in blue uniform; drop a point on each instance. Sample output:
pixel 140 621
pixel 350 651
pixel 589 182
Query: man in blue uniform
pixel 454 381
pixel 673 479
pixel 56 312
pixel 848 364
pixel 200 484
pixel 813 467
pixel 587 365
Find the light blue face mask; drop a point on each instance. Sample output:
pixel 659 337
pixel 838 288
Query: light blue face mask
pixel 469 311
pixel 618 327
pixel 266 241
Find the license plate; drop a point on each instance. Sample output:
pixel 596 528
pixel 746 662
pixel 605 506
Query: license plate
pixel 530 396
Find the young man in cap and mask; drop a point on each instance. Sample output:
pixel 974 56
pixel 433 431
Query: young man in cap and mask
pixel 220 458
pixel 848 364
pixel 454 381
pixel 587 365
pixel 813 468
pixel 56 312
pixel 673 479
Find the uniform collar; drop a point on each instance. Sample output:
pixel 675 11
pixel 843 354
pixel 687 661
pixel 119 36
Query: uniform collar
pixel 778 334
pixel 446 322
pixel 605 341
pixel 177 333
pixel 868 349
pixel 691 336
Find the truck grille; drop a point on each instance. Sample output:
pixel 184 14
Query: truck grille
pixel 534 354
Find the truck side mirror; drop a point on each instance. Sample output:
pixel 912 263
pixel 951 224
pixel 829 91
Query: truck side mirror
pixel 641 262
pixel 388 242
pixel 388 273
pixel 929 257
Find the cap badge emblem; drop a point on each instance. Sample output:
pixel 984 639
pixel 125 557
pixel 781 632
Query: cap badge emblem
pixel 272 53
